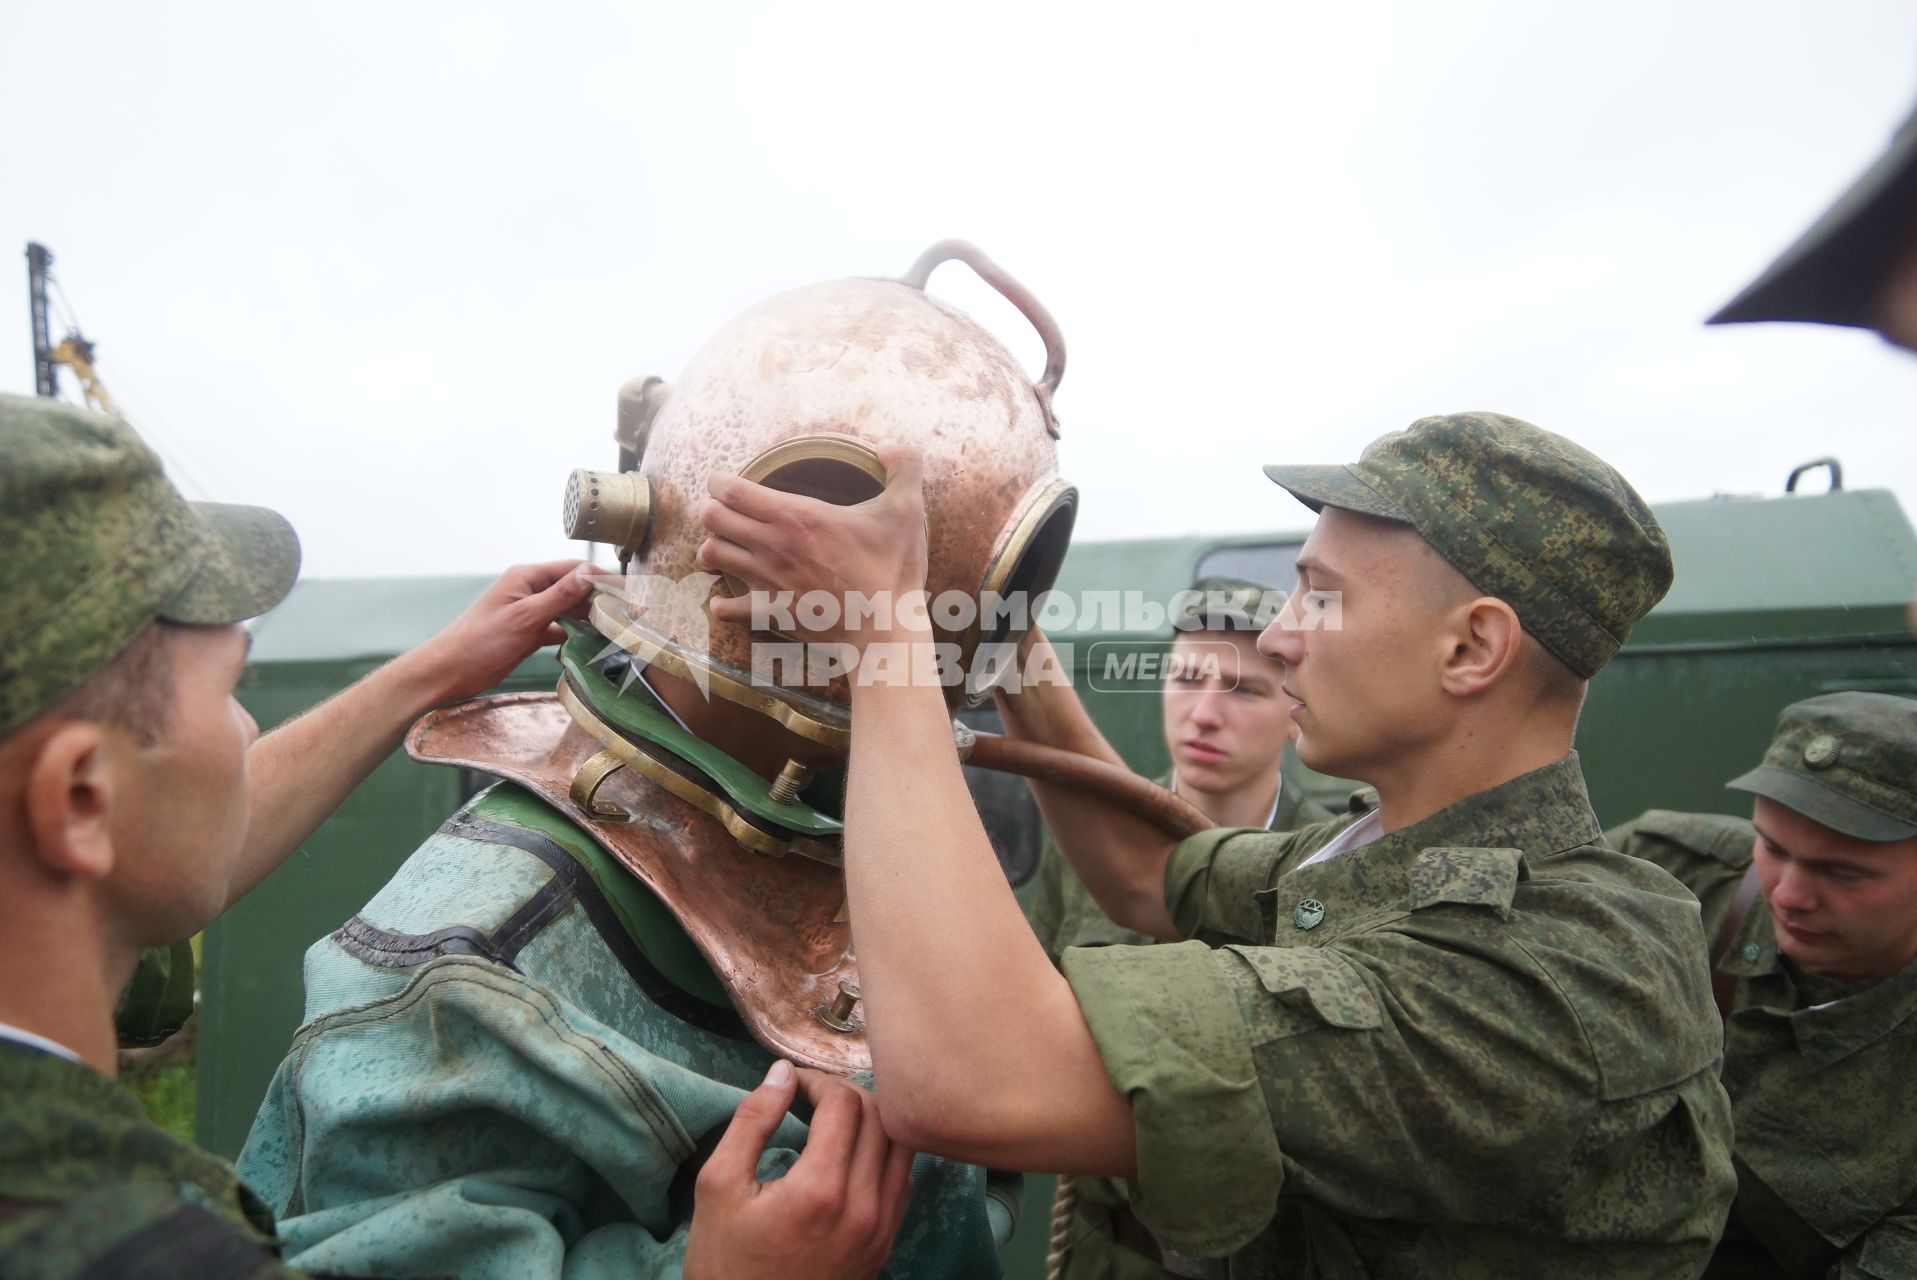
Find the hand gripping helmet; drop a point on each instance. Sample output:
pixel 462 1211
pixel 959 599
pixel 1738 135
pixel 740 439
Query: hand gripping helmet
pixel 794 394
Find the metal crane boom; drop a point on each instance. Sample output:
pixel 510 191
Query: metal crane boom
pixel 45 371
pixel 74 351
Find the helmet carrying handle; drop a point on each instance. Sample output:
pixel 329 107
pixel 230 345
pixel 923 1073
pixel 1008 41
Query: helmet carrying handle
pixel 1016 294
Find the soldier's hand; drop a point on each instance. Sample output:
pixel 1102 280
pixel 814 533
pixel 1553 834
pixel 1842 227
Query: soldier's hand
pixel 780 542
pixel 509 621
pixel 831 1217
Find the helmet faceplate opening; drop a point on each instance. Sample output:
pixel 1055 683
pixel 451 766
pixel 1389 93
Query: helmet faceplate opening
pixel 841 470
pixel 1020 574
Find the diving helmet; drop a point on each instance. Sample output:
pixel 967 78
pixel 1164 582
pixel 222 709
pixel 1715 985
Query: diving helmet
pixel 794 394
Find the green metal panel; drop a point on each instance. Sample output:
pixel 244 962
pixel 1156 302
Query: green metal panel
pixel 1829 565
pixel 1667 730
pixel 1776 599
pixel 349 619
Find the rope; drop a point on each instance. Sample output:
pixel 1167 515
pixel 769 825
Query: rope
pixel 1064 1209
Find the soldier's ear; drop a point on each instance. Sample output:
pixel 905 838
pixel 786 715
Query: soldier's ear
pixel 1485 645
pixel 69 797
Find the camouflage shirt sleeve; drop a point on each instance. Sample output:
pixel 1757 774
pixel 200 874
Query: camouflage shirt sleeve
pixel 1045 909
pixel 1708 853
pixel 133 1229
pixel 89 1187
pixel 1167 1024
pixel 1212 877
pixel 1174 1042
pixel 1064 914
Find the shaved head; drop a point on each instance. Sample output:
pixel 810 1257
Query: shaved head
pixel 1441 588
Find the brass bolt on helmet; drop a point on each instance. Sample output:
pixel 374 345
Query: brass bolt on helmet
pixel 794 394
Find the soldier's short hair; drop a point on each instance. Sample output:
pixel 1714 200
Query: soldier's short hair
pixel 133 691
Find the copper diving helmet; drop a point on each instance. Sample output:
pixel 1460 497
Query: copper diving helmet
pixel 794 393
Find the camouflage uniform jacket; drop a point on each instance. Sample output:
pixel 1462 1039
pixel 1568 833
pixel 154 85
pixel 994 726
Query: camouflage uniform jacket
pixel 1062 910
pixel 88 1187
pixel 1064 914
pixel 494 1081
pixel 1481 1046
pixel 1819 1076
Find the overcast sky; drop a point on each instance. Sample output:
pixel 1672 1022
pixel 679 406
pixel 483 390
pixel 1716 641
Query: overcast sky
pixel 384 266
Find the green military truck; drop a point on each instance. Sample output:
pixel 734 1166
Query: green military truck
pixel 1776 599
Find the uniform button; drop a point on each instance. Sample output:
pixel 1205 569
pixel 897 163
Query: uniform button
pixel 1824 1042
pixel 1752 952
pixel 1821 752
pixel 1308 914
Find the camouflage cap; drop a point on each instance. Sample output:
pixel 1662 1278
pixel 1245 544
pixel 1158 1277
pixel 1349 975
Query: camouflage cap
pixel 1835 272
pixel 1541 523
pixel 98 544
pixel 1847 761
pixel 1221 603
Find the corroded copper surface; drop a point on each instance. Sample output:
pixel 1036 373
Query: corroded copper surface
pixel 870 359
pixel 769 927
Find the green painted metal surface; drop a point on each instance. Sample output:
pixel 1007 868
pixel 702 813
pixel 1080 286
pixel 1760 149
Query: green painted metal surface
pixel 1776 599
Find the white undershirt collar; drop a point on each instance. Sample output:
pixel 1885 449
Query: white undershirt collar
pixel 1269 818
pixel 1356 836
pixel 20 1035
